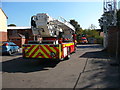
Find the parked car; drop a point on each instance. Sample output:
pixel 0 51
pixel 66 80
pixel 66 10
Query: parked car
pixel 10 48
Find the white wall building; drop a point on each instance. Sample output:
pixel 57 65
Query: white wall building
pixel 3 26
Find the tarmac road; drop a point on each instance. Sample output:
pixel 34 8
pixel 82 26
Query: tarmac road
pixel 87 68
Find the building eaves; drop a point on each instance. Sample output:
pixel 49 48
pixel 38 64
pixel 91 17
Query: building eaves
pixel 17 35
pixel 13 28
pixel 4 13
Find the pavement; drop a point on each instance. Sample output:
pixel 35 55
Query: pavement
pixel 101 70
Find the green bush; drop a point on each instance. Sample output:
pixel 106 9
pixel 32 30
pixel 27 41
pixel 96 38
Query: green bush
pixel 99 40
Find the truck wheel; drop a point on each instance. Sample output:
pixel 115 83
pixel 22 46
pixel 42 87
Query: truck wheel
pixel 68 56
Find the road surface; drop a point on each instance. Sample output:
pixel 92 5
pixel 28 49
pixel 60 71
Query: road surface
pixel 87 68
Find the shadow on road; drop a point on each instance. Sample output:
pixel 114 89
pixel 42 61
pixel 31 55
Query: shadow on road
pixel 89 46
pixel 15 54
pixel 99 71
pixel 25 66
pixel 96 54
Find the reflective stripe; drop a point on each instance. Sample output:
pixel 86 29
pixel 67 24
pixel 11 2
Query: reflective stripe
pixel 69 44
pixel 52 48
pixel 36 53
pixel 32 50
pixel 38 56
pixel 57 49
pixel 40 51
pixel 43 51
pixel 46 49
pixel 60 52
pixel 44 54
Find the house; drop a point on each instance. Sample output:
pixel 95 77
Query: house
pixel 3 26
pixel 19 35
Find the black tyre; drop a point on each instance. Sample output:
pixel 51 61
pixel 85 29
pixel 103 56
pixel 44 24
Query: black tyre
pixel 68 57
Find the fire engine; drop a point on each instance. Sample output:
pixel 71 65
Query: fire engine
pixel 53 38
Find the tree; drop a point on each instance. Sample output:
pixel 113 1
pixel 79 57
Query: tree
pixel 11 25
pixel 105 17
pixel 76 25
pixel 93 34
pixel 92 27
pixel 78 29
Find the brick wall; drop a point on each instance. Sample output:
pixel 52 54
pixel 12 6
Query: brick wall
pixel 113 36
pixel 17 39
pixel 3 36
pixel 24 32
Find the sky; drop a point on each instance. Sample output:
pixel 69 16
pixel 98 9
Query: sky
pixel 85 13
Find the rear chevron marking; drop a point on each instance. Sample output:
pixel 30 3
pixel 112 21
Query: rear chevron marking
pixel 30 48
pixel 35 46
pixel 38 55
pixel 34 51
pixel 56 48
pixel 45 53
pixel 52 49
pixel 41 51
pixel 48 48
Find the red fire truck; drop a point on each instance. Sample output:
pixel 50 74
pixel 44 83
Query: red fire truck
pixel 53 38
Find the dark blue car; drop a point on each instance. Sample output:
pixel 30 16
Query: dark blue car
pixel 10 48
